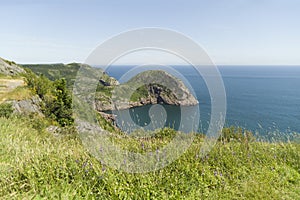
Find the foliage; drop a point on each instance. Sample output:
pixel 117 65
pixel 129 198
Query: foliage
pixel 165 133
pixel 59 106
pixel 57 102
pixel 39 165
pixel 6 110
pixel 236 134
pixel 139 93
pixel 104 90
pixel 39 84
pixel 9 62
pixel 106 125
pixel 19 93
pixel 56 71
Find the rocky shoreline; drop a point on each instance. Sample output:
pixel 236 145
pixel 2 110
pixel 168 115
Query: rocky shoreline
pixel 147 88
pixel 175 93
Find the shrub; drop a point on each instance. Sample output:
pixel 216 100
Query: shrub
pixel 165 133
pixel 57 101
pixel 6 110
pixel 63 103
pixel 39 84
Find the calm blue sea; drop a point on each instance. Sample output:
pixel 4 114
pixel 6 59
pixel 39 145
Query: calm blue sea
pixel 259 98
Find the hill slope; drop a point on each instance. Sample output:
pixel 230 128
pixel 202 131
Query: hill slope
pixel 35 164
pixel 176 94
pixel 9 68
pixel 7 85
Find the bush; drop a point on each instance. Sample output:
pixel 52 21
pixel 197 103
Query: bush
pixel 62 104
pixel 39 84
pixel 57 101
pixel 6 110
pixel 165 133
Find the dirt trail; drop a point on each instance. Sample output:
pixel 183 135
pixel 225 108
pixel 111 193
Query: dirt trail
pixel 8 85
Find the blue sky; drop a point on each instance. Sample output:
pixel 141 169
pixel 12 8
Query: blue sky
pixel 231 31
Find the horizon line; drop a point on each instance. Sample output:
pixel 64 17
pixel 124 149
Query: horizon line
pixel 131 64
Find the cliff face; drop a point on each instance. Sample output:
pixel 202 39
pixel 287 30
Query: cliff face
pixel 9 68
pixel 150 87
pixel 171 91
pixel 146 88
pixel 9 84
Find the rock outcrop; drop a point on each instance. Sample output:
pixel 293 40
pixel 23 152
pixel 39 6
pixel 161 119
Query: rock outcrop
pixel 9 68
pixel 28 106
pixel 150 87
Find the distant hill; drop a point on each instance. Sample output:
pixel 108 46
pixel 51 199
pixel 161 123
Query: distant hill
pixel 66 71
pixel 146 94
pixel 56 71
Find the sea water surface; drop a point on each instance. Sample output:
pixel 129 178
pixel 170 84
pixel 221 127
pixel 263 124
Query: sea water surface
pixel 259 98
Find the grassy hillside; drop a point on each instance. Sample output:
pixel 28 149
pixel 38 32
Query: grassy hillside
pixel 56 71
pixel 59 71
pixel 143 95
pixel 36 164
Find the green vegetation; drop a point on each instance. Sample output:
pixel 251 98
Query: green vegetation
pixel 9 62
pixel 104 92
pixel 19 93
pixel 59 71
pixel 6 110
pixel 59 106
pixel 36 164
pixel 57 102
pixel 140 93
pixel 68 72
pixel 12 88
pixel 56 71
pixel 143 92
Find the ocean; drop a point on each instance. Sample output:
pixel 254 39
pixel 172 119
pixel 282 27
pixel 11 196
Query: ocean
pixel 262 99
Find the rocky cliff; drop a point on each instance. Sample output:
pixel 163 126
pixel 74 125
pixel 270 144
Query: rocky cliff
pixel 150 87
pixel 9 67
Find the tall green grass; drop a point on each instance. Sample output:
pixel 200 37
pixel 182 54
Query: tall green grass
pixel 35 164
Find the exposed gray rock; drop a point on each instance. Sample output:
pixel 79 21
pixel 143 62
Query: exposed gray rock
pixel 28 106
pixel 86 127
pixel 164 88
pixel 171 91
pixel 106 80
pixel 10 68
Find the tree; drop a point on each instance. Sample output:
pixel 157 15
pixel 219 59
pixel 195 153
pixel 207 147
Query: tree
pixel 57 101
pixel 62 104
